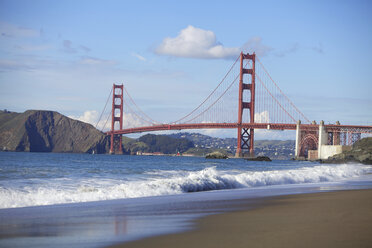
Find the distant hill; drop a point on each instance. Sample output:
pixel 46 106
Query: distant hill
pixel 205 141
pixel 49 131
pixel 200 145
pixel 156 143
pixel 275 149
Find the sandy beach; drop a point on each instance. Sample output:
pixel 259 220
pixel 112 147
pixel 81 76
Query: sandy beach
pixel 330 219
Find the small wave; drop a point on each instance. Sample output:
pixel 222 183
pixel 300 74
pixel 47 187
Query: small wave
pixel 170 182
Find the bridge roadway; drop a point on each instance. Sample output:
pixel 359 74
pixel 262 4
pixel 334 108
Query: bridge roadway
pixel 268 126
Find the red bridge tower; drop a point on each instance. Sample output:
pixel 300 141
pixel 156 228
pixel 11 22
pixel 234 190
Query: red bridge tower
pixel 117 116
pixel 246 135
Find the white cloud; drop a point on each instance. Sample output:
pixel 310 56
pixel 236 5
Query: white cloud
pixel 255 45
pixel 194 42
pixel 89 116
pixel 130 121
pixel 139 57
pixel 262 117
pixel 86 60
pixel 92 116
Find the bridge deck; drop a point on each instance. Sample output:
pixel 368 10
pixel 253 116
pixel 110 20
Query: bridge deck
pixel 268 126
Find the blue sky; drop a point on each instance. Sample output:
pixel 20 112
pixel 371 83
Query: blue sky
pixel 65 55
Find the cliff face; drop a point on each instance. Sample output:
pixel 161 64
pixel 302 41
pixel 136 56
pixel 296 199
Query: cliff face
pixel 361 152
pixel 48 131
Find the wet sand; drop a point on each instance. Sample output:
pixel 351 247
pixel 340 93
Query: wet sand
pixel 331 219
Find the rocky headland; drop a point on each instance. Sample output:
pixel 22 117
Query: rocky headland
pixel 49 131
pixel 361 152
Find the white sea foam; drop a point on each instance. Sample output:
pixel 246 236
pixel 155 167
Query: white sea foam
pixel 166 183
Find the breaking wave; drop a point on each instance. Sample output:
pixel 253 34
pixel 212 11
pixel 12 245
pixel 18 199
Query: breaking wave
pixel 168 183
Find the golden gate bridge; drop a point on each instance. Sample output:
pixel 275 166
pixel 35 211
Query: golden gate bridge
pixel 246 98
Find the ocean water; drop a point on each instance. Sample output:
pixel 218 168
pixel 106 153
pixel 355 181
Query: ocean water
pixel 35 179
pixel 84 200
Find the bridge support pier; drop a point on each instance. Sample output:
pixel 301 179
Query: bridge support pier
pixel 323 139
pixel 306 142
pixel 298 139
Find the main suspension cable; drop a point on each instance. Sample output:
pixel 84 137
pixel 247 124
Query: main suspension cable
pixel 152 121
pixel 104 109
pixel 209 94
pixel 290 102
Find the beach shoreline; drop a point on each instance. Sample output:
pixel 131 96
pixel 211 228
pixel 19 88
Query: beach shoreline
pixel 109 200
pixel 326 219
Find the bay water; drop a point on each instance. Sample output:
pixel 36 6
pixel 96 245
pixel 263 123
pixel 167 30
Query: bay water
pixel 50 198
